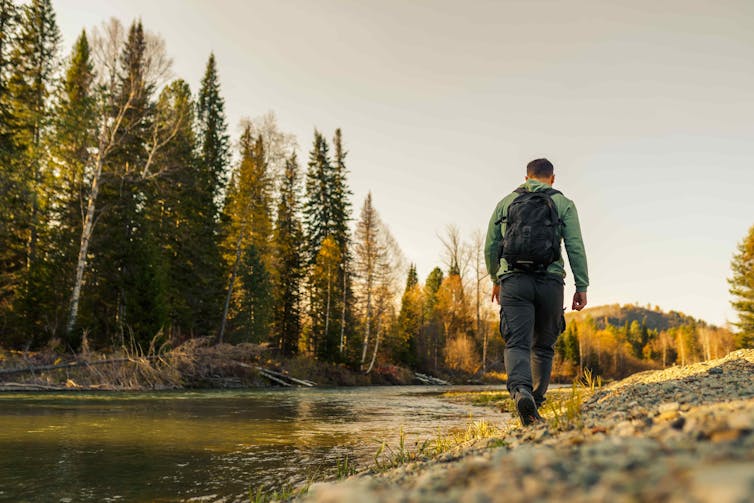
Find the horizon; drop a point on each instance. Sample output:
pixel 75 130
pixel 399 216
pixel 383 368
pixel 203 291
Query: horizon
pixel 645 114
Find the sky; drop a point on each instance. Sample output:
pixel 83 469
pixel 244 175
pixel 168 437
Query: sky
pixel 645 108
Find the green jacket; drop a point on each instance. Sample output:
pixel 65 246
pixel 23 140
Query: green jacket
pixel 571 235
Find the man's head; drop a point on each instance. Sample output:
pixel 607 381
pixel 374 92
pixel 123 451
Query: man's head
pixel 540 170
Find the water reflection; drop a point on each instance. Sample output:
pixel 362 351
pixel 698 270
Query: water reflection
pixel 175 446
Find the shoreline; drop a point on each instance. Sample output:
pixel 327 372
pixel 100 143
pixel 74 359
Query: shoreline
pixel 678 434
pixel 196 364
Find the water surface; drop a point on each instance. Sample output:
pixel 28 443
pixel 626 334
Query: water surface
pixel 204 445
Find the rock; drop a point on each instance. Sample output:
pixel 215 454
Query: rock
pixel 741 421
pixel 669 407
pixel 715 371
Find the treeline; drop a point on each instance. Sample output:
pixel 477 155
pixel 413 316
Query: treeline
pixel 127 213
pixel 616 341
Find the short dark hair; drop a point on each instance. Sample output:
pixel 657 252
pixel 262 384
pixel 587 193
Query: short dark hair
pixel 539 168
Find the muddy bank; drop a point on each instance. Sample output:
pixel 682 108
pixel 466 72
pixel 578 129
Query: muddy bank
pixel 682 434
pixel 195 364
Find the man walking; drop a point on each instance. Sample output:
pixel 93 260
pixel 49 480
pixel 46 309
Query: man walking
pixel 523 257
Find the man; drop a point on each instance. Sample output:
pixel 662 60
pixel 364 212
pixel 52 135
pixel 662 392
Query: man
pixel 530 289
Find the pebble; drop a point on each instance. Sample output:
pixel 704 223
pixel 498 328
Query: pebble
pixel 679 434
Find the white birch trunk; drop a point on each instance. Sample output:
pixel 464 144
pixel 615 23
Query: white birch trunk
pixel 86 236
pixel 376 347
pixel 233 274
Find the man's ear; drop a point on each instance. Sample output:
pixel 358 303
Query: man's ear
pixel 526 177
pixel 552 179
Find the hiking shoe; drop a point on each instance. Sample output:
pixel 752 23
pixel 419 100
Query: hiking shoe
pixel 526 407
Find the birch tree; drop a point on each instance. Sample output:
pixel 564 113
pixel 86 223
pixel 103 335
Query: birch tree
pixel 376 262
pixel 117 115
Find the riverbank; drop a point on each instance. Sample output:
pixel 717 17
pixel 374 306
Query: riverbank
pixel 195 364
pixel 678 435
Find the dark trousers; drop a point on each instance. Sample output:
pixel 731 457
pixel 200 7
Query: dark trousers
pixel 531 318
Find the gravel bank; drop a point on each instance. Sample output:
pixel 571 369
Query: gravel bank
pixel 683 434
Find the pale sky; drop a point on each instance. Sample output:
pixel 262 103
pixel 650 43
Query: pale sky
pixel 646 109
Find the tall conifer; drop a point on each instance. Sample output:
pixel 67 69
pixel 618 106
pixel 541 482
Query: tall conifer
pixel 74 134
pixel 248 225
pixel 31 84
pixel 288 243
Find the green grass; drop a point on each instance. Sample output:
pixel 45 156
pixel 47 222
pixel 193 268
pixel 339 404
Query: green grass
pixel 565 412
pixel 285 493
pixel 388 457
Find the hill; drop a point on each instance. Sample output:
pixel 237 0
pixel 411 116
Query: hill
pixel 617 316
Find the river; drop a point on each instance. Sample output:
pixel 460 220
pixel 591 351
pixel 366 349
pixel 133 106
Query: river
pixel 205 445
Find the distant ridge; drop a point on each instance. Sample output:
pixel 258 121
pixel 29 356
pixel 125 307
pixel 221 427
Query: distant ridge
pixel 617 315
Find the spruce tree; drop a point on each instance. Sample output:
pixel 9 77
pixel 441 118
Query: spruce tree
pixel 255 310
pixel 74 134
pixel 128 283
pixel 289 273
pixel 32 81
pixel 185 232
pixel 214 142
pixel 742 289
pixel 12 246
pixel 410 319
pixel 318 219
pixel 8 25
pixel 340 194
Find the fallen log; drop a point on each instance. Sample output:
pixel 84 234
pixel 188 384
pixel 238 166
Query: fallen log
pixel 427 379
pixel 278 375
pixel 273 378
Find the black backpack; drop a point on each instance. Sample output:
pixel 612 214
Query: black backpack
pixel 533 231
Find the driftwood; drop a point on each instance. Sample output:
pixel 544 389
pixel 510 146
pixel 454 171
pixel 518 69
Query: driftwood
pixel 278 377
pixel 43 368
pixel 426 379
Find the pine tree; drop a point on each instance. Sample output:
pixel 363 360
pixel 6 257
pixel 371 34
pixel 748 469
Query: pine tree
pixel 318 219
pixel 214 142
pixel 179 213
pixel 11 189
pixel 432 332
pixel 410 320
pixel 35 63
pixel 248 222
pixel 26 104
pixel 254 315
pixel 126 275
pixel 288 246
pixel 129 137
pixel 339 196
pixel 74 133
pixel 8 25
pixel 341 215
pixel 742 289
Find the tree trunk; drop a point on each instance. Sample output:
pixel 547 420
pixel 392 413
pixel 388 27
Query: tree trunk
pixel 325 336
pixel 234 272
pixel 86 236
pixel 376 347
pixel 366 330
pixel 343 313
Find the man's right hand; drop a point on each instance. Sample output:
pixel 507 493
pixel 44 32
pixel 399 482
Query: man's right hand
pixel 579 301
pixel 496 293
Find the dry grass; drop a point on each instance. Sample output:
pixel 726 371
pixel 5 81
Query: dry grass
pixel 194 363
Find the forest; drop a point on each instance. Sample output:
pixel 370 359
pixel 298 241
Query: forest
pixel 130 215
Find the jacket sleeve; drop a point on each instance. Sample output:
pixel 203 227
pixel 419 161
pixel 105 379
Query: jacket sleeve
pixel 574 245
pixel 493 244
